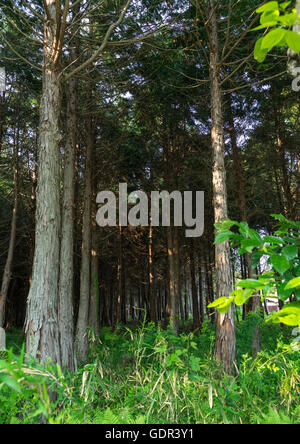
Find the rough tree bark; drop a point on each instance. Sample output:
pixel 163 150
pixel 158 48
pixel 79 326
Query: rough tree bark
pixel 66 282
pixel 94 309
pixel 12 240
pixel 297 203
pixel 174 321
pixel 172 306
pixel 176 248
pixel 85 273
pixel 201 292
pixel 281 158
pixel 225 340
pixel 196 311
pixel 152 295
pixel 2 339
pixel 2 117
pixel 42 328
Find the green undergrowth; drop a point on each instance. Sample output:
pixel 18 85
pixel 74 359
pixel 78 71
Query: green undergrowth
pixel 147 375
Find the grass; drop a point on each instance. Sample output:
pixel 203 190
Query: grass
pixel 149 375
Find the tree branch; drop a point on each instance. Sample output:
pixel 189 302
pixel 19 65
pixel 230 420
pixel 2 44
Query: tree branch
pixel 19 55
pixel 61 31
pixel 34 12
pixel 96 54
pixel 48 15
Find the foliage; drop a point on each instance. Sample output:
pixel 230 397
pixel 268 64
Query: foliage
pixel 274 417
pixel 277 16
pixel 124 417
pixel 30 385
pixel 151 376
pixel 280 281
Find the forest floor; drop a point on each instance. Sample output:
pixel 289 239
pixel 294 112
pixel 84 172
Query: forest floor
pixel 147 375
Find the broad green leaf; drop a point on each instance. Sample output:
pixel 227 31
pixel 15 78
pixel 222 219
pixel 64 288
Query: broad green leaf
pixel 249 244
pixel 281 43
pixel 289 315
pixel 290 252
pixel 226 224
pixel 269 16
pixel 284 5
pixel 280 263
pixel 270 6
pixel 218 302
pixel 280 217
pixel 297 293
pixel 287 319
pixel 273 240
pixel 288 19
pixel 293 41
pixel 256 257
pixel 265 25
pixel 242 296
pixel 244 229
pixel 251 283
pixel 255 236
pixel 269 289
pixel 294 283
pixel 272 38
pixel 224 308
pixel 223 236
pixel 222 304
pixel 283 294
pixel 259 54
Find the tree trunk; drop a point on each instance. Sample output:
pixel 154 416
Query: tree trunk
pixel 209 294
pixel 196 314
pixel 167 309
pixel 152 295
pixel 85 273
pixel 201 299
pixel 121 301
pixel 66 283
pixel 186 300
pixel 297 203
pixel 225 339
pixel 176 246
pixel 94 309
pixel 173 285
pixel 2 339
pixel 132 303
pixel 281 153
pixel 12 241
pixel 42 327
pixel 2 117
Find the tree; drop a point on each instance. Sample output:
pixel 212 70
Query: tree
pixel 225 345
pixel 66 275
pixel 85 273
pixel 12 240
pixel 42 324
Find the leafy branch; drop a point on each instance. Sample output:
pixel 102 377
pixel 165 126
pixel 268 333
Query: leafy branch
pixel 282 21
pixel 282 280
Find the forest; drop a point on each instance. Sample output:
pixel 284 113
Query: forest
pixel 150 212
